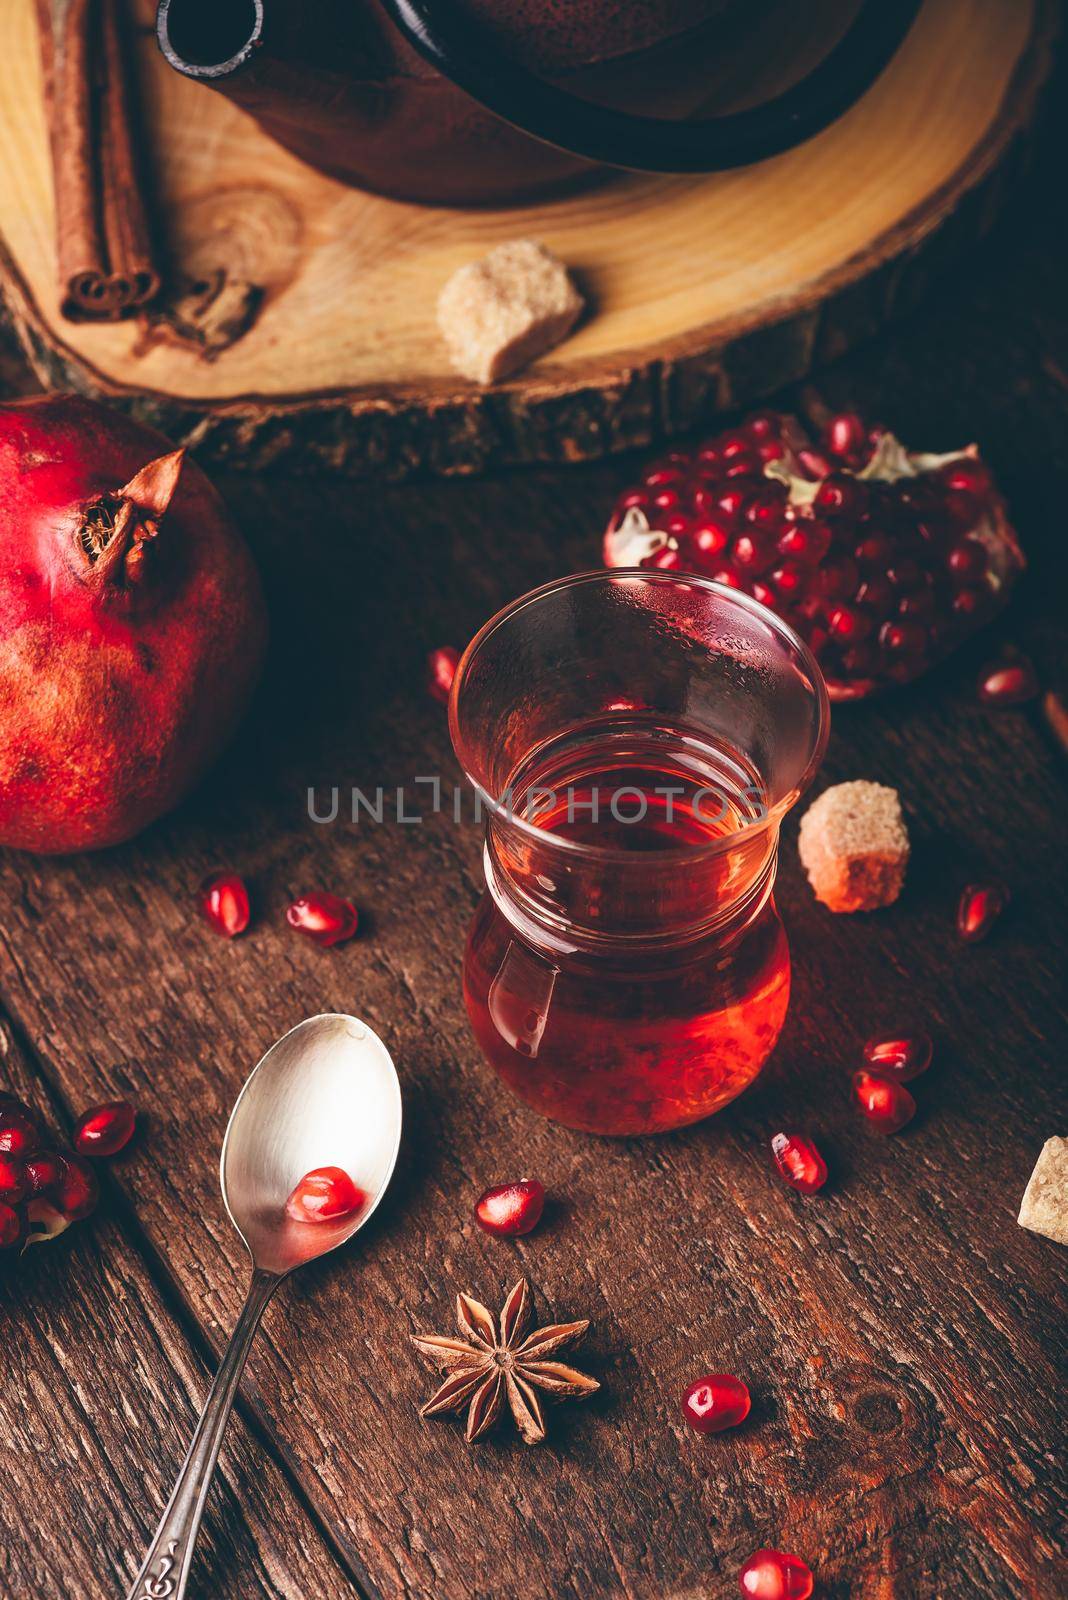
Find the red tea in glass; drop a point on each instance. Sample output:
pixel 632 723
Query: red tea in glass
pixel 635 739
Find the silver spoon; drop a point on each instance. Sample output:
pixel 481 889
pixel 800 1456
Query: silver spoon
pixel 325 1095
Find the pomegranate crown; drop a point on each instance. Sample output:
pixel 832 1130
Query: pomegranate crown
pixel 116 529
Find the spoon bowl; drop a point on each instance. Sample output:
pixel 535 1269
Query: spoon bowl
pixel 326 1094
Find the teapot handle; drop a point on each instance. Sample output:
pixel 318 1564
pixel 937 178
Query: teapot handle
pixel 649 144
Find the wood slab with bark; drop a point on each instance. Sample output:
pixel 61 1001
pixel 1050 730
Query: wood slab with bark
pixel 298 328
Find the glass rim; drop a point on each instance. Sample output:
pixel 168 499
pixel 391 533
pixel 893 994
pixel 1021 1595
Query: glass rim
pixel 676 854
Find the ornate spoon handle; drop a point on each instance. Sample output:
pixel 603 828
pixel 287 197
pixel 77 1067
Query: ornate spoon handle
pixel 166 1566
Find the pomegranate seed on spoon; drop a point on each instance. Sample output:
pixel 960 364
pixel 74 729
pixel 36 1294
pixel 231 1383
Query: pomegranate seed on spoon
pixel 224 902
pixel 902 1058
pixel 104 1130
pixel 326 1194
pixel 1009 683
pixel 511 1209
pixel 716 1402
pixel 981 904
pixel 886 1104
pixel 323 917
pixel 774 1575
pixel 441 667
pixel 799 1162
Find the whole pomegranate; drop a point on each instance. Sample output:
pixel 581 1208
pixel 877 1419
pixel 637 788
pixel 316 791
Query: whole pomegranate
pixel 882 558
pixel 132 625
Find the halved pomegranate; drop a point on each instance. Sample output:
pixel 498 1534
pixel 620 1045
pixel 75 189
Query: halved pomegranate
pixel 883 559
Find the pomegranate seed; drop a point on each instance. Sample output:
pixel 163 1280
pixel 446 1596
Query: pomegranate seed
pixel 763 425
pixel 903 638
pixel 747 466
pixel 441 667
pixel 877 595
pixel 969 475
pixel 981 904
pixel 840 497
pixel 323 917
pixel 847 623
pixel 847 438
pixel 807 542
pixel 837 579
pixel 774 1575
pixel 735 444
pixel 44 1170
pixel 665 559
pixel 1010 683
pixel 902 1058
pixel 814 464
pixel 77 1192
pixel 511 1209
pixel 730 502
pixel 224 902
pixel 969 602
pixel 750 553
pixel 716 1402
pixel 19 1134
pixel 966 560
pixel 325 1194
pixel 763 592
pixel 710 538
pixel 12 1226
pixel 764 510
pixel 727 576
pixel 667 500
pixel 799 1162
pixel 13 1185
pixel 660 476
pixel 887 1104
pixel 104 1130
pixel 788 580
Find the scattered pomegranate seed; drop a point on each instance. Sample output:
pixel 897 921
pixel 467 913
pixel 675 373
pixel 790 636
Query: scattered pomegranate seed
pixel 774 1575
pixel 326 1194
pixel 885 1102
pixel 799 1162
pixel 324 917
pixel 224 902
pixel 19 1134
pixel 716 1402
pixel 881 575
pixel 13 1185
pixel 981 904
pixel 104 1130
pixel 902 1059
pixel 77 1192
pixel 44 1170
pixel 510 1209
pixel 1008 683
pixel 12 1226
pixel 441 667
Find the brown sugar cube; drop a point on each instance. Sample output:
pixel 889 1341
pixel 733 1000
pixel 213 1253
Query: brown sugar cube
pixel 854 846
pixel 1044 1208
pixel 499 313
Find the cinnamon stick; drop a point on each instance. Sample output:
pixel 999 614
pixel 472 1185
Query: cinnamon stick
pixel 103 242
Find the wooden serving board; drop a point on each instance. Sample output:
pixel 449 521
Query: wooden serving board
pixel 316 302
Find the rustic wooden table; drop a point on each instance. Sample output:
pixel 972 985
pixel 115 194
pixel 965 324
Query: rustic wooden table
pixel 900 1332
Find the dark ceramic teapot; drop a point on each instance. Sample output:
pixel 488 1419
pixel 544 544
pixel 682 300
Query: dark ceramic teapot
pixel 469 101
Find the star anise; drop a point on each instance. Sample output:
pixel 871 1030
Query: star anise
pixel 493 1363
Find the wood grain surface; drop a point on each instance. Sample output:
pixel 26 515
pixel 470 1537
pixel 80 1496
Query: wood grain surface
pixel 311 339
pixel 900 1332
